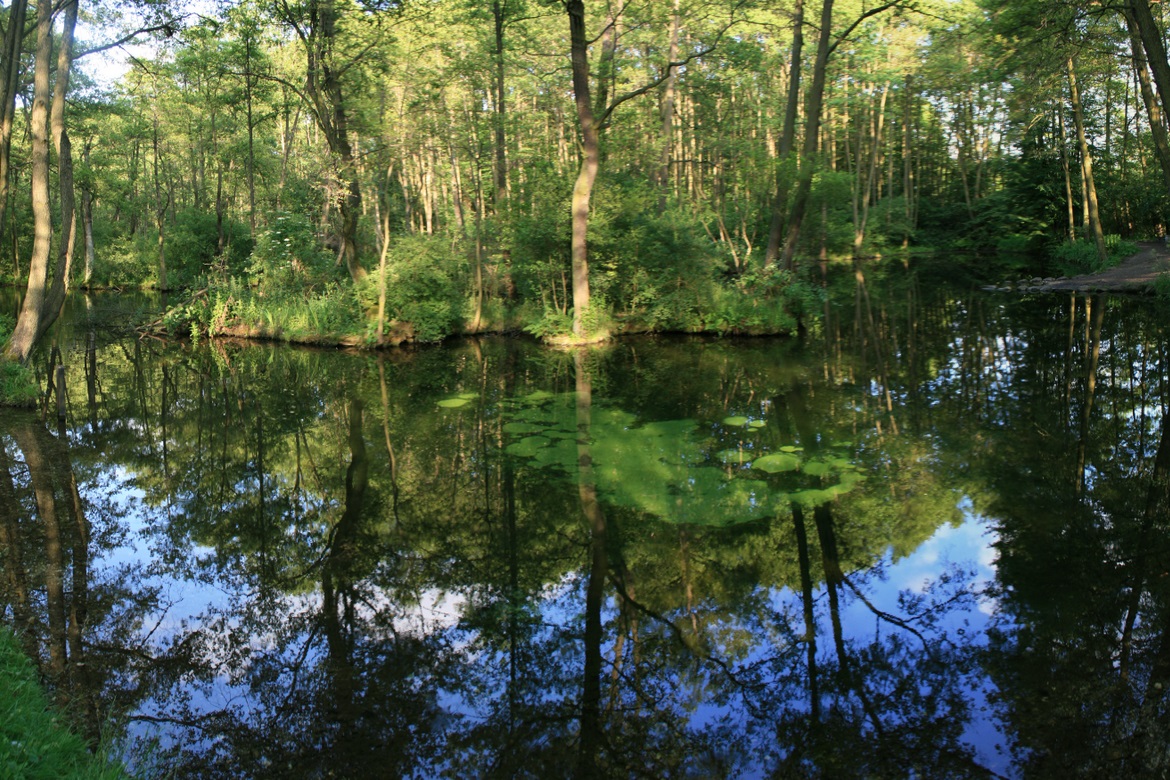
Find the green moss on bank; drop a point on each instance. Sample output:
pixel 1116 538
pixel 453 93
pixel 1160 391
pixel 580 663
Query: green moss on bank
pixel 34 742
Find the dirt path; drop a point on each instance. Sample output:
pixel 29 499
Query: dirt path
pixel 1135 274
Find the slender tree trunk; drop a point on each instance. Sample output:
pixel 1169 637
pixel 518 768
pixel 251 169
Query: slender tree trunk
pixel 499 115
pixel 666 136
pixel 13 42
pixel 867 186
pixel 815 100
pixel 1087 163
pixel 1067 169
pixel 787 137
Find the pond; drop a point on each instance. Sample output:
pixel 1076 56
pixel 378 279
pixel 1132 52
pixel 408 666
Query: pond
pixel 928 539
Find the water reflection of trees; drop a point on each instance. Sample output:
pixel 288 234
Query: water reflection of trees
pixel 380 590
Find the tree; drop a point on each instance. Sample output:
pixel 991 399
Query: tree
pixel 595 109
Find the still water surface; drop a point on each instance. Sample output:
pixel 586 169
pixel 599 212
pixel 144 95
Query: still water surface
pixel 928 540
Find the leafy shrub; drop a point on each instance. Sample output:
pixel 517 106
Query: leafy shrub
pixel 288 255
pixel 1080 257
pixel 425 286
pixel 192 247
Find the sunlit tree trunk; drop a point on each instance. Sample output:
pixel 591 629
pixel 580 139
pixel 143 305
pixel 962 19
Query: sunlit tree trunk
pixel 590 150
pixel 35 316
pixel 666 136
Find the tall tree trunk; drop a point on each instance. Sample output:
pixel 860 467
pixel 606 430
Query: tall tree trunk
pixel 815 100
pixel 64 162
pixel 1155 46
pixel 787 137
pixel 866 186
pixel 666 136
pixel 1064 164
pixel 499 114
pixel 1087 164
pixel 13 42
pixel 1153 108
pixel 33 310
pixel 590 152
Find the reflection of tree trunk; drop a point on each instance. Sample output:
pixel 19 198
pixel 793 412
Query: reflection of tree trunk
pixel 42 483
pixel 336 574
pixel 1095 312
pixel 1157 511
pixel 10 543
pixel 810 620
pixel 587 491
pixel 834 579
pixel 386 432
pixel 61 518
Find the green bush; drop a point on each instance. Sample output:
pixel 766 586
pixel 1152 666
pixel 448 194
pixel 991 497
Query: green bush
pixel 289 256
pixel 1080 257
pixel 426 285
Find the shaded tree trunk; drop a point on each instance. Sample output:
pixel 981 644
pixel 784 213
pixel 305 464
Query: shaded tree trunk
pixel 1095 231
pixel 815 100
pixel 787 137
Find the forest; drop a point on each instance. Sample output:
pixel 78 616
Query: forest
pixel 366 172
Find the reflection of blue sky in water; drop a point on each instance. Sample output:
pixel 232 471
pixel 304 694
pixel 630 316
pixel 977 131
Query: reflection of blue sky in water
pixel 209 603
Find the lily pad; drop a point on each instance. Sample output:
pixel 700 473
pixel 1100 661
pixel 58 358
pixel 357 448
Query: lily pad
pixel 522 427
pixel 791 448
pixel 527 448
pixel 738 421
pixel 757 424
pixel 777 462
pixel 817 468
pixel 454 403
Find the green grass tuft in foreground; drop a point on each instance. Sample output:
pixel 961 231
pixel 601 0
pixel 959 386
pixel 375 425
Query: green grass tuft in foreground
pixel 34 741
pixel 18 385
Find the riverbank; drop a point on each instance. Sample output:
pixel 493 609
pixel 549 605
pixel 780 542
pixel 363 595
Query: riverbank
pixel 1138 273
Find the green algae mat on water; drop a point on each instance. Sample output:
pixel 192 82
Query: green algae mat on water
pixel 690 472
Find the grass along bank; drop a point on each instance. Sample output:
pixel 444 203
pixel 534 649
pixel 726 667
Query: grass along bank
pixel 34 740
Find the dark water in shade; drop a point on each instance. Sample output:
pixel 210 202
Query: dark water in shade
pixel 929 540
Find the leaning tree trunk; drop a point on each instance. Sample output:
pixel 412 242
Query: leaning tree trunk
pixel 1153 108
pixel 29 324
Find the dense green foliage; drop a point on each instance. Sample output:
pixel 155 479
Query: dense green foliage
pixel 272 154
